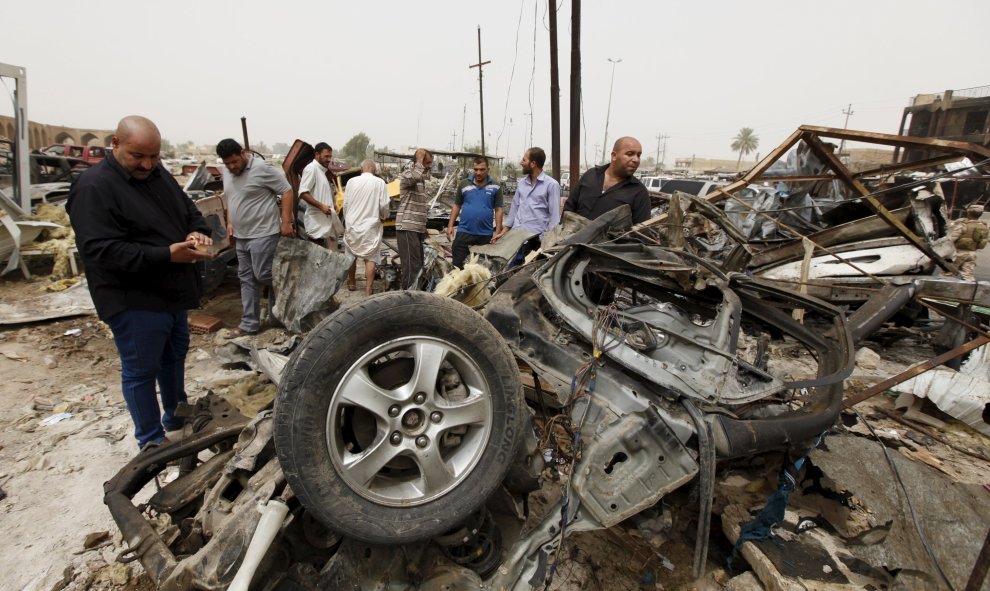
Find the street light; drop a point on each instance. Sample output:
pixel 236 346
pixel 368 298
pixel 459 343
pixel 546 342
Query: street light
pixel 608 113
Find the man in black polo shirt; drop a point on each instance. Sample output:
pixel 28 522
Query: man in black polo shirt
pixel 605 187
pixel 138 234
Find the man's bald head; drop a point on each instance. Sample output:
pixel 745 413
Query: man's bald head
pixel 136 126
pixel 626 153
pixel 368 166
pixel 137 145
pixel 622 141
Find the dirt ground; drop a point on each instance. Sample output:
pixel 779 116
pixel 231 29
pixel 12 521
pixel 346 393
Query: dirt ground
pixel 52 475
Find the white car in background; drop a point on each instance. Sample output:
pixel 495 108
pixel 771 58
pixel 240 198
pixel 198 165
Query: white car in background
pixel 653 183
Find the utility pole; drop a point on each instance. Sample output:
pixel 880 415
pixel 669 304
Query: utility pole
pixel 661 154
pixel 453 141
pixel 463 120
pixel 481 90
pixel 554 96
pixel 247 144
pixel 575 127
pixel 847 112
pixel 608 113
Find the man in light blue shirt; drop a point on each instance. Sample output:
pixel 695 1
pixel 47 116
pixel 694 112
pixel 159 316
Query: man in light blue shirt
pixel 536 204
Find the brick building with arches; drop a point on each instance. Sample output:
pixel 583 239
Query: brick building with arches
pixel 41 135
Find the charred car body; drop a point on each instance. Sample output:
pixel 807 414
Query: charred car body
pixel 408 430
pixel 404 420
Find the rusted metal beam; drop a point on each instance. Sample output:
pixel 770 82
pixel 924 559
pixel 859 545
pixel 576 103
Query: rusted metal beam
pixel 757 170
pixel 915 370
pixel 902 141
pixel 845 176
pixel 889 168
pixel 724 192
pixel 806 177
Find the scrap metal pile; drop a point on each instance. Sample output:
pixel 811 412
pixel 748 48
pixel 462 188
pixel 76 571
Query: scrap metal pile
pixel 619 367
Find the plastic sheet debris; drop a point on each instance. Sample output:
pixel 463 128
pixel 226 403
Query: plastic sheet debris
pixel 56 418
pixel 72 332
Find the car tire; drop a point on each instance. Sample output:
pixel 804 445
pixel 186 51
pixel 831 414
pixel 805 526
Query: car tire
pixel 398 417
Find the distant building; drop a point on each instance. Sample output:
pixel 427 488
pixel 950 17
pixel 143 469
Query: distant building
pixel 41 135
pixel 961 115
pixel 692 165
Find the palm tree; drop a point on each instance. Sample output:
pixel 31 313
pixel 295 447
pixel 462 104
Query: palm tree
pixel 744 143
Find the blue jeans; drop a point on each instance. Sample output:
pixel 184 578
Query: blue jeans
pixel 254 269
pixel 152 347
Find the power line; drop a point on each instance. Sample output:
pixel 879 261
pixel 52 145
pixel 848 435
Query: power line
pixel 505 112
pixel 481 90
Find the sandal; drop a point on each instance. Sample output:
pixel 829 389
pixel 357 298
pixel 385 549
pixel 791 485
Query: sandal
pixel 237 331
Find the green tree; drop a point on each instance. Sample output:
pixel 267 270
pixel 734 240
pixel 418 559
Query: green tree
pixel 744 143
pixel 280 148
pixel 356 148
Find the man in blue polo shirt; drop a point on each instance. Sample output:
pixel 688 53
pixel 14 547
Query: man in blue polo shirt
pixel 478 201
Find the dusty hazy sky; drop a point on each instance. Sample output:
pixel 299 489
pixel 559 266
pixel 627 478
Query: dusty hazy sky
pixel 323 71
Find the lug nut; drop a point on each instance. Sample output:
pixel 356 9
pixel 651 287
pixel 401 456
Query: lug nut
pixel 436 416
pixel 422 441
pixel 396 438
pixel 419 398
pixel 393 411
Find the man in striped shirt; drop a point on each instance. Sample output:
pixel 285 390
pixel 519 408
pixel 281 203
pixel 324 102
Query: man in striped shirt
pixel 410 220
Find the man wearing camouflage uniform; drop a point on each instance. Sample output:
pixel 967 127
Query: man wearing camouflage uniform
pixel 969 235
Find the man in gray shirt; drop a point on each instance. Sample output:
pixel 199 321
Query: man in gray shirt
pixel 253 187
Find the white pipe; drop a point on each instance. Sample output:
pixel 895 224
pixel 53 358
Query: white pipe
pixel 272 515
pixel 443 184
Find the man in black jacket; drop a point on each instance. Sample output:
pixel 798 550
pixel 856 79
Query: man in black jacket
pixel 605 187
pixel 139 235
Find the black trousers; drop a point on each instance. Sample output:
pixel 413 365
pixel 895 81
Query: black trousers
pixel 411 255
pixel 462 244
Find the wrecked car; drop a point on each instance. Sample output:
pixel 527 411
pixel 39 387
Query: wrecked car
pixel 872 238
pixel 409 430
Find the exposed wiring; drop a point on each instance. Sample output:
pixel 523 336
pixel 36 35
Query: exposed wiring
pixel 907 499
pixel 603 340
pixel 512 74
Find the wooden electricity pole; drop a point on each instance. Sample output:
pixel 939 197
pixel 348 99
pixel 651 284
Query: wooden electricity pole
pixel 554 96
pixel 575 160
pixel 481 90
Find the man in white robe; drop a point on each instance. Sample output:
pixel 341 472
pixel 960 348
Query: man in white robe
pixel 320 220
pixel 365 208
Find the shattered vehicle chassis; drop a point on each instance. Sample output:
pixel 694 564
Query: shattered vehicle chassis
pixel 403 442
